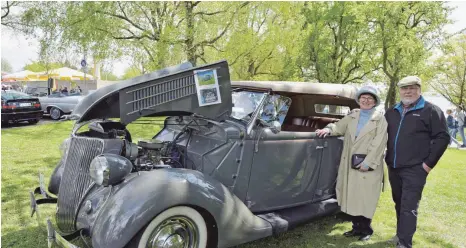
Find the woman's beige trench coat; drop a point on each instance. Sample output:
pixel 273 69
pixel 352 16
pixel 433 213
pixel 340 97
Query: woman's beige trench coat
pixel 358 192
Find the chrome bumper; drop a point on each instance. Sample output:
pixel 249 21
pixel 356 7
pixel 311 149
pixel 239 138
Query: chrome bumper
pixel 53 237
pixel 40 190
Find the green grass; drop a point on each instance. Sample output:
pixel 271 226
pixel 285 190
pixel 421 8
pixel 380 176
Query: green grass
pixel 27 150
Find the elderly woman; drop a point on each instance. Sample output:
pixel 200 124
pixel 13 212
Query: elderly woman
pixel 359 183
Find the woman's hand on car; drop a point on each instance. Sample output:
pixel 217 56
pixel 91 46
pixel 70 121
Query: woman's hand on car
pixel 322 132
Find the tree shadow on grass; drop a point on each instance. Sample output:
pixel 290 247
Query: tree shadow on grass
pixel 26 237
pixel 435 240
pixel 15 202
pixel 323 232
pixel 23 230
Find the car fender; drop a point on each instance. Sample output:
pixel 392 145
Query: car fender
pixel 55 178
pixel 135 202
pixel 50 106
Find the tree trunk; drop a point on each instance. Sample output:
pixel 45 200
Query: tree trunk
pixel 189 42
pixel 391 95
pixel 462 88
pixel 251 70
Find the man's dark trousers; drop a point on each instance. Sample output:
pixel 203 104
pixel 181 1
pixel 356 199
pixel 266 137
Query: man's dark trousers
pixel 407 184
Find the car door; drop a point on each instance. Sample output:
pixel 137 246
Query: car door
pixel 67 103
pixel 285 166
pixel 64 102
pixel 47 101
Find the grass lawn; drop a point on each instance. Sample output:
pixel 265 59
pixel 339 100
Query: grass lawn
pixel 27 150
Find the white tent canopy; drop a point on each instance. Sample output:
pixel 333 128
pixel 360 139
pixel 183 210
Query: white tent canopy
pixel 19 75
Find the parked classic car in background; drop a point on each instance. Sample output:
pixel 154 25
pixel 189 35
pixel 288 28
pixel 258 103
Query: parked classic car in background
pixel 58 104
pixel 18 106
pixel 215 176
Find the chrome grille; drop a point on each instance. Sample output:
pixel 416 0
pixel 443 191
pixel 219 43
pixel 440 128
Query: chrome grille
pixel 76 179
pixel 160 93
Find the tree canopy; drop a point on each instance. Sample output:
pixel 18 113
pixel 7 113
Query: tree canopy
pixel 450 70
pixel 404 33
pixel 331 42
pixel 37 66
pixel 6 66
pixel 339 46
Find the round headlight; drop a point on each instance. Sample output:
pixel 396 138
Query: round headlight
pixel 109 169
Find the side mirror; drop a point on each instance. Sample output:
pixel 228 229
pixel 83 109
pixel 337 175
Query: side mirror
pixel 275 127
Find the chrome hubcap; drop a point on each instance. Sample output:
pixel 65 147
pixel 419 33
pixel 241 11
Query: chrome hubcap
pixel 176 232
pixel 55 113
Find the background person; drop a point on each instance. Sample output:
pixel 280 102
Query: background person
pixel 65 91
pixel 452 125
pixel 417 138
pixel 460 116
pixel 358 190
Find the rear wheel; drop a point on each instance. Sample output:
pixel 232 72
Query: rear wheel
pixel 55 113
pixel 175 227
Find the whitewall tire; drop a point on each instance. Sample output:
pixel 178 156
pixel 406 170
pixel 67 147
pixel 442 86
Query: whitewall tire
pixel 175 227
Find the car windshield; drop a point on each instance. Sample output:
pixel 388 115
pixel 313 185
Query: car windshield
pixel 244 104
pixel 12 95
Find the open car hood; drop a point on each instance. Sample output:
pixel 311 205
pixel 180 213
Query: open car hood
pixel 170 91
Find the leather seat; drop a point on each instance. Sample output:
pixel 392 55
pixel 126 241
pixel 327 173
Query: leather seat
pixel 307 123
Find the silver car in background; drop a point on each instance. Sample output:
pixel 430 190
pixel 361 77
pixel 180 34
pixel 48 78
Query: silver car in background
pixel 58 104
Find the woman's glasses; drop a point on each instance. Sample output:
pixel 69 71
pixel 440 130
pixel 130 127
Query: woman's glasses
pixel 368 99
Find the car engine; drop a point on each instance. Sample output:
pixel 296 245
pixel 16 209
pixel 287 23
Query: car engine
pixel 154 154
pixel 146 155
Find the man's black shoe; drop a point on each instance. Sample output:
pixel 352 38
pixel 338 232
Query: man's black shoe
pixel 352 233
pixel 365 237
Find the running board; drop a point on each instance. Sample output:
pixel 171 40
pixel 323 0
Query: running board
pixel 286 219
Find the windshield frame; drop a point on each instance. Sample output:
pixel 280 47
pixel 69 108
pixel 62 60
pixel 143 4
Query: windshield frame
pixel 247 118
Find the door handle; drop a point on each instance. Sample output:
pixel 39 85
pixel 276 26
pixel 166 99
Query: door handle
pixel 319 147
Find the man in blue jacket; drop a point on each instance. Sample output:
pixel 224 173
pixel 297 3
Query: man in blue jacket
pixel 417 138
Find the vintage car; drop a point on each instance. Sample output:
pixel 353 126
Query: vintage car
pixel 18 106
pixel 219 175
pixel 58 104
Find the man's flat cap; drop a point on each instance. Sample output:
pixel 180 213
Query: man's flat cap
pixel 409 80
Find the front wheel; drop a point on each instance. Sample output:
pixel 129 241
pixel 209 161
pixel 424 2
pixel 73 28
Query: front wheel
pixel 175 227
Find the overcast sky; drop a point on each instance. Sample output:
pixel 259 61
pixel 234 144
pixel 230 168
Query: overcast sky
pixel 19 51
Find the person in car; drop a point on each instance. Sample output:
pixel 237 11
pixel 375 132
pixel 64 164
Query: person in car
pixel 359 184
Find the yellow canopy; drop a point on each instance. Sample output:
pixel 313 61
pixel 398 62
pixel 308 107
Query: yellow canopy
pixel 64 73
